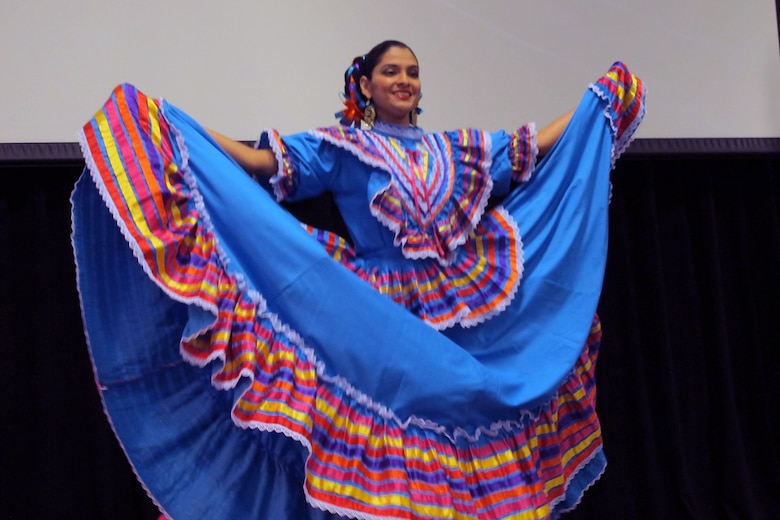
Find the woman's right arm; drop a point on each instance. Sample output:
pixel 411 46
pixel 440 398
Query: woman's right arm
pixel 548 136
pixel 255 162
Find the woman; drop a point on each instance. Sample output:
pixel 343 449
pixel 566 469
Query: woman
pixel 447 379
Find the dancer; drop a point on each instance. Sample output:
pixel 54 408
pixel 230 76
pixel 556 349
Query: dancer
pixel 436 363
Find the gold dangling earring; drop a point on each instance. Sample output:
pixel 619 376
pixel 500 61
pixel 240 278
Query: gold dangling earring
pixel 369 114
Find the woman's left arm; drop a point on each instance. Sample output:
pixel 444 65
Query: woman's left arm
pixel 547 136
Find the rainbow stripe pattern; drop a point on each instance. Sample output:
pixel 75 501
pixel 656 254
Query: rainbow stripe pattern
pixel 479 282
pixel 362 464
pixel 523 152
pixel 468 264
pixel 624 94
pixel 437 191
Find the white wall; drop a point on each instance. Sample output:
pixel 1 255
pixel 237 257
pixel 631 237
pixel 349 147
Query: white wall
pixel 712 67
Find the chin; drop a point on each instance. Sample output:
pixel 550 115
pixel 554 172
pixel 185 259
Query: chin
pixel 403 114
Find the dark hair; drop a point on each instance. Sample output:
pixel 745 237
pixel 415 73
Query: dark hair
pixel 364 66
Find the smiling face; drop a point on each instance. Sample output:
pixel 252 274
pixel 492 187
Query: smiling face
pixel 394 86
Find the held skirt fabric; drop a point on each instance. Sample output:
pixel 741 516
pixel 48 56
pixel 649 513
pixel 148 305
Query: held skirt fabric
pixel 247 374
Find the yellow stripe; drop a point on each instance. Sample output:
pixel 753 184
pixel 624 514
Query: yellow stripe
pixel 579 447
pixel 398 500
pixel 342 422
pixel 341 488
pixel 134 207
pixel 122 178
pixel 626 96
pixel 426 162
pixel 281 408
pixel 154 117
pixel 494 461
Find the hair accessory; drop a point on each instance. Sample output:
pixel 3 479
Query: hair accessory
pixel 352 114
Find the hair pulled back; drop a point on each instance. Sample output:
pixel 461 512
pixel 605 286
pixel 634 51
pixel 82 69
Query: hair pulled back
pixel 354 100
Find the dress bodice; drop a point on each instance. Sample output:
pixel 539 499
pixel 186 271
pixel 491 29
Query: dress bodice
pixel 429 189
pixel 415 205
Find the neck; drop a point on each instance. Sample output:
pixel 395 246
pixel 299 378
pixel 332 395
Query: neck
pixel 387 122
pixel 398 122
pixel 392 129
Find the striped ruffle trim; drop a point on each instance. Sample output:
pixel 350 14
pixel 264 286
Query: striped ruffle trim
pixel 363 464
pixel 284 183
pixel 523 152
pixel 131 152
pixel 370 468
pixel 478 284
pixel 624 94
pixel 434 195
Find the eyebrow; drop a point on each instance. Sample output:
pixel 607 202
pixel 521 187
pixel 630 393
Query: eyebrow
pixel 414 66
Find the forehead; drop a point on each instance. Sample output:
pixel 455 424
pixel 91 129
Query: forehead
pixel 397 56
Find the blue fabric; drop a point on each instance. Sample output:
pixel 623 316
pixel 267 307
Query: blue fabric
pixel 173 424
pixel 170 418
pixel 464 377
pixel 322 166
pixel 563 221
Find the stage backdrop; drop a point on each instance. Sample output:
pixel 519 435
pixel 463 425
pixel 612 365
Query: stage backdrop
pixel 712 67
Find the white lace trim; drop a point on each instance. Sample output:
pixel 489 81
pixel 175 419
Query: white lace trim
pixel 278 177
pixel 456 239
pixel 619 144
pixel 523 415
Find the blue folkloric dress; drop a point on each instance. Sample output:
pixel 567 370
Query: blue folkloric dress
pixel 440 364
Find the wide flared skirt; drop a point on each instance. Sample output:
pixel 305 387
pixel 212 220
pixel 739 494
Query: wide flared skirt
pixel 248 375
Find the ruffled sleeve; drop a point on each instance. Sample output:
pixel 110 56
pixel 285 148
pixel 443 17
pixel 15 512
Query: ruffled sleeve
pixel 523 152
pixel 514 157
pixel 307 165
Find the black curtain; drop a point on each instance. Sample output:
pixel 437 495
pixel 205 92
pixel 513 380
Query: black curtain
pixel 687 385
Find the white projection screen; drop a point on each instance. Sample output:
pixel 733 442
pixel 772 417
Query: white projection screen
pixel 712 67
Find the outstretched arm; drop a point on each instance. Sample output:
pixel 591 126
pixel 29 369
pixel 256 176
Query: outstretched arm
pixel 548 135
pixel 255 162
